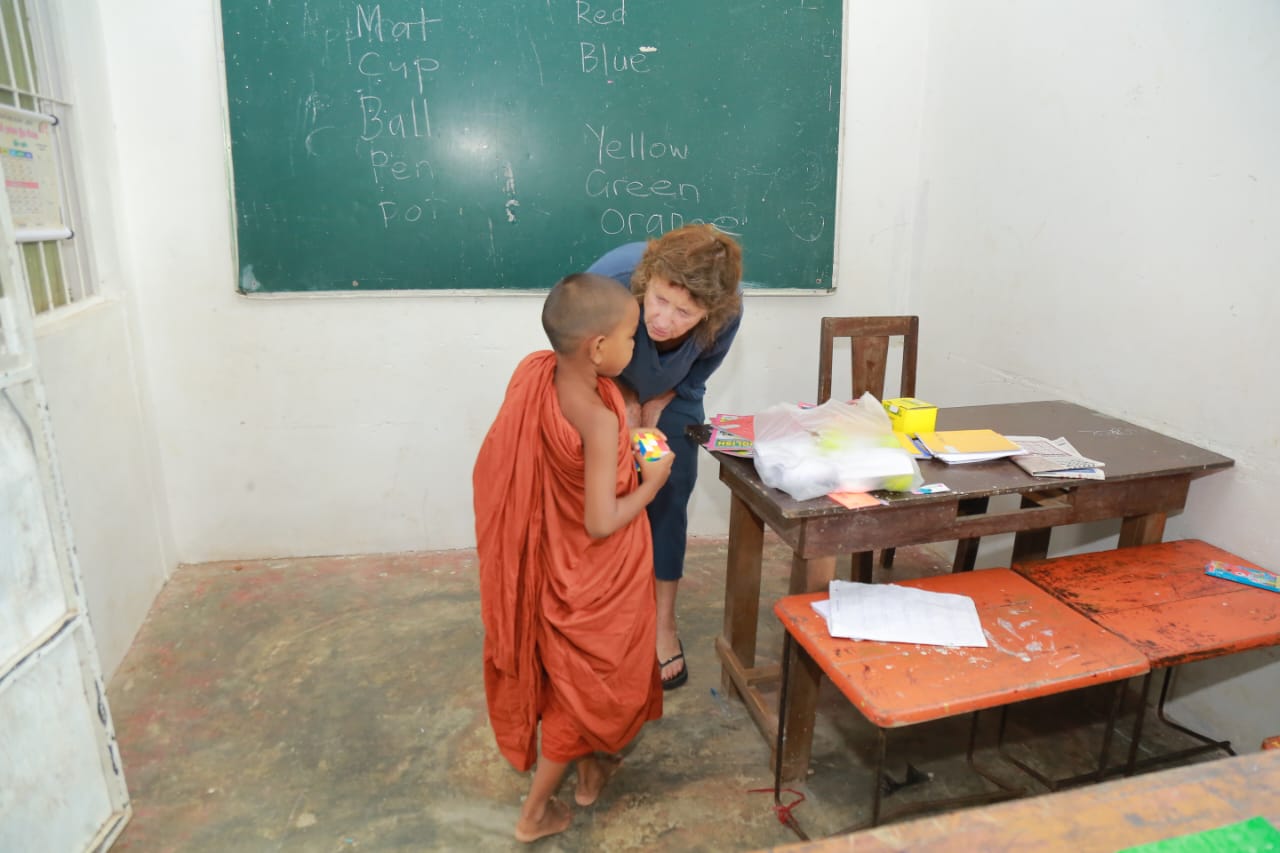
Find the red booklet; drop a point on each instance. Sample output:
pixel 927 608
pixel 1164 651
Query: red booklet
pixel 743 426
pixel 733 434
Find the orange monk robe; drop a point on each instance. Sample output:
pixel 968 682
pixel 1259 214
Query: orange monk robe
pixel 570 622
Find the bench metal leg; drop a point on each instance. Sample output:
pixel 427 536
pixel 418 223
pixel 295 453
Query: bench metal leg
pixel 881 784
pixel 1207 744
pixel 1095 775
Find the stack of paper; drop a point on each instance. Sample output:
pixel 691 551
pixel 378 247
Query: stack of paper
pixel 966 445
pixel 1056 458
pixel 900 614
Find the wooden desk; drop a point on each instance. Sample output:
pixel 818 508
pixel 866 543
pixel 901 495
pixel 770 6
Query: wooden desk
pixel 1094 819
pixel 1038 646
pixel 1148 475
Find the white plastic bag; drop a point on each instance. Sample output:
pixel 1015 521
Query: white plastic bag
pixel 835 447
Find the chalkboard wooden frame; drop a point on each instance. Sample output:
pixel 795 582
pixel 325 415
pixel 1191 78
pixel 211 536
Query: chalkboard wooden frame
pixel 433 146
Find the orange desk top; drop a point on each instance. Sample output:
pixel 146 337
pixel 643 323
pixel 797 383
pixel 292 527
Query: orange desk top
pixel 1037 647
pixel 1159 599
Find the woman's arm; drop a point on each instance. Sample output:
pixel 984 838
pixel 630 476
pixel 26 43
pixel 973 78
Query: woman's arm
pixel 632 402
pixel 651 410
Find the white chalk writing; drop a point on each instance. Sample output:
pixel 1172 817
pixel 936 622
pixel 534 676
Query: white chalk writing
pixel 599 58
pixel 397 64
pixel 587 14
pixel 370 26
pixel 634 146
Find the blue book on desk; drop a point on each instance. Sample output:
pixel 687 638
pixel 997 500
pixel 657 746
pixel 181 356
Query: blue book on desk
pixel 1261 578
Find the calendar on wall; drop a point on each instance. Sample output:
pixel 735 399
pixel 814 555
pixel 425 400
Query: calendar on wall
pixel 31 175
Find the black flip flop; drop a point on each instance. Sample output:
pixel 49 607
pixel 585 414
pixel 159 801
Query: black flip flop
pixel 680 677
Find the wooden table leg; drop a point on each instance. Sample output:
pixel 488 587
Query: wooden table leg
pixel 967 549
pixel 741 589
pixel 863 566
pixel 803 674
pixel 1148 529
pixel 803 677
pixel 1031 544
pixel 813 575
pixel 1142 530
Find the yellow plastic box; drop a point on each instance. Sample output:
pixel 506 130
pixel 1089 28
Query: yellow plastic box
pixel 911 415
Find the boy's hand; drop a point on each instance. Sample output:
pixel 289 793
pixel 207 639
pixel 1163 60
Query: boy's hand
pixel 656 470
pixel 639 433
pixel 653 457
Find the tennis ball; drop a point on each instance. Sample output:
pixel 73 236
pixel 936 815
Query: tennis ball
pixel 900 483
pixel 830 442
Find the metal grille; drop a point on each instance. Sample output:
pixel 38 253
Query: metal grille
pixel 55 269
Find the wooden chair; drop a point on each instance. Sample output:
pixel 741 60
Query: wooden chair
pixel 869 339
pixel 869 342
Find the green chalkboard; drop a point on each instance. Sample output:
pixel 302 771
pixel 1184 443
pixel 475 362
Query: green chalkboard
pixel 484 145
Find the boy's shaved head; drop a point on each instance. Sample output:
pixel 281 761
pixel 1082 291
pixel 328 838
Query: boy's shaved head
pixel 581 306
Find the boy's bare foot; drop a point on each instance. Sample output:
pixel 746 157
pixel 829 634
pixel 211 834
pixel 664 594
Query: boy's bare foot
pixel 556 818
pixel 593 773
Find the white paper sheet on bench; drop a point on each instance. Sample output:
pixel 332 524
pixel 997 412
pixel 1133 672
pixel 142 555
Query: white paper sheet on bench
pixel 898 614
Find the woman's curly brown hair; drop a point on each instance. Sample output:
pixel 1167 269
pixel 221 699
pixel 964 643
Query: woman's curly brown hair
pixel 704 261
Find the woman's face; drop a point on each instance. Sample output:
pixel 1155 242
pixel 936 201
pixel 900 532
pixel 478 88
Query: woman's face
pixel 670 312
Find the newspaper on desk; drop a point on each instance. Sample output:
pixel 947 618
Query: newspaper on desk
pixel 1055 458
pixel 900 614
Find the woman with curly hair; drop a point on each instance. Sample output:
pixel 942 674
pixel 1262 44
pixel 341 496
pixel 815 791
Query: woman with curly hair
pixel 687 284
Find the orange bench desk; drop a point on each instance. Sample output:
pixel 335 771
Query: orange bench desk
pixel 1159 599
pixel 1038 646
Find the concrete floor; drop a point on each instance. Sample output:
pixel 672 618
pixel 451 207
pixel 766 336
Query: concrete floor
pixel 336 704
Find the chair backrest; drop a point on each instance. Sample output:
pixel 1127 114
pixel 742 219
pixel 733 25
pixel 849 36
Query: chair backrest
pixel 869 344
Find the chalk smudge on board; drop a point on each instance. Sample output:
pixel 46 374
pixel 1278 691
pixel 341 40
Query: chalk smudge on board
pixel 537 60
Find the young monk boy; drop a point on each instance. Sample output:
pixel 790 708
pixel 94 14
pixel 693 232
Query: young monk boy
pixel 566 558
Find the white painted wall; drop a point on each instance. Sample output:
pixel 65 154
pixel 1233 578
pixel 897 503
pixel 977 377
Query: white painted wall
pixel 1074 202
pixel 103 427
pixel 1101 207
pixel 332 425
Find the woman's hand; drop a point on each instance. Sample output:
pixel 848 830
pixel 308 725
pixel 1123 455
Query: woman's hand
pixel 632 403
pixel 651 410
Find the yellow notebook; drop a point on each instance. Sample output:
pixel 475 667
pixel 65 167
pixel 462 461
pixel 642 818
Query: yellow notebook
pixel 967 445
pixel 907 444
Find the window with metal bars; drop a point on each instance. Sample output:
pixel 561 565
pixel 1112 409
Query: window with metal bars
pixel 56 270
